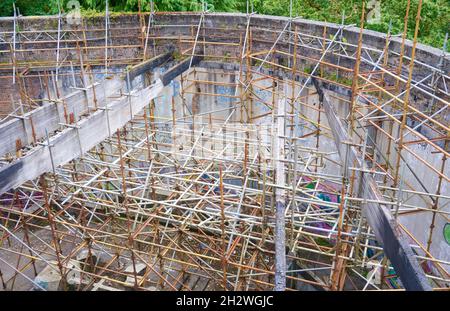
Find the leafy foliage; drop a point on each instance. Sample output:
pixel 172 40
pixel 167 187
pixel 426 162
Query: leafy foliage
pixel 6 8
pixel 434 24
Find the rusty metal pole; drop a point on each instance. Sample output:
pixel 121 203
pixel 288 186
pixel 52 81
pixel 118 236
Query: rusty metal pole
pixel 406 98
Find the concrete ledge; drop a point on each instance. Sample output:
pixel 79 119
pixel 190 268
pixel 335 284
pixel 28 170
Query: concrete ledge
pixel 395 243
pixel 79 103
pixel 72 143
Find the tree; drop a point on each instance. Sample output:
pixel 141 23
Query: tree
pixel 435 21
pixel 6 8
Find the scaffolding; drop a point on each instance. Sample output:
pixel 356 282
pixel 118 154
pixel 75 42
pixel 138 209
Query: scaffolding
pixel 241 183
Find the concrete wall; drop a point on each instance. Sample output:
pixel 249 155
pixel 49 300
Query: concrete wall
pixel 126 37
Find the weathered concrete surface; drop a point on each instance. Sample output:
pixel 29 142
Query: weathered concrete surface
pixel 50 114
pixel 119 23
pixel 147 65
pixel 224 27
pixel 179 69
pixel 395 243
pixel 280 199
pixel 80 102
pixel 73 142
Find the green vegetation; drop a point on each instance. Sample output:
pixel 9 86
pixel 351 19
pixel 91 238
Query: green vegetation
pixel 340 79
pixel 435 22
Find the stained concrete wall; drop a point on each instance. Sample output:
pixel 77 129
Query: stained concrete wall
pixel 125 34
pixel 419 223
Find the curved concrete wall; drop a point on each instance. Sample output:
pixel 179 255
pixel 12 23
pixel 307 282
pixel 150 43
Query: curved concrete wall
pixel 424 54
pixel 126 39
